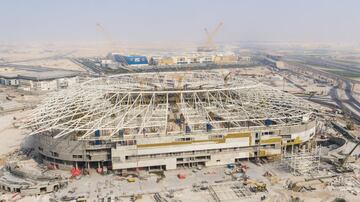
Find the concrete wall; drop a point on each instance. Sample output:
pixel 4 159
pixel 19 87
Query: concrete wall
pixel 223 159
pixel 163 151
pixel 170 162
pixel 304 135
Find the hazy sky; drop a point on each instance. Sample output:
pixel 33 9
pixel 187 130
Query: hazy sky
pixel 182 20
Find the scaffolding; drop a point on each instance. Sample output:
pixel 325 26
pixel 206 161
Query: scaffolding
pixel 303 162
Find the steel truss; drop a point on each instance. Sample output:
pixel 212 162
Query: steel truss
pixel 165 104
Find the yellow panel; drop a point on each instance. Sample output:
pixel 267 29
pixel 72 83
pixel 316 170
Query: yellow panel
pixel 238 135
pixel 262 152
pixel 271 140
pixel 296 141
pixel 163 144
pixel 181 143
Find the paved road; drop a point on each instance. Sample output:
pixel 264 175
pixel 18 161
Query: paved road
pixel 355 104
pixel 328 63
pixel 349 94
pixel 56 56
pixel 34 68
pixel 334 96
pixel 321 101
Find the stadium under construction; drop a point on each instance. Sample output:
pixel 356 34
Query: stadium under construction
pixel 163 121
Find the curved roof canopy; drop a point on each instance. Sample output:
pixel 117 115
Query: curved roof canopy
pixel 165 104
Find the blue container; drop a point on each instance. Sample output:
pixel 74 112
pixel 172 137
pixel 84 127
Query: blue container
pixel 268 122
pixel 230 166
pixel 209 127
pixel 131 60
pixel 136 60
pixel 97 133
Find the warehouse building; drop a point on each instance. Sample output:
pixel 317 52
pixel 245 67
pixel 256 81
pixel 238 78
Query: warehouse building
pixel 38 80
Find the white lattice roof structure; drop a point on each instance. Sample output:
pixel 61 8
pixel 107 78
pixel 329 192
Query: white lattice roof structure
pixel 165 104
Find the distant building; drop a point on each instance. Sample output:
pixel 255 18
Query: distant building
pixel 193 59
pixel 8 81
pixel 37 81
pixel 48 84
pixel 245 58
pixel 132 60
pixel 106 63
pixel 7 77
pixel 224 59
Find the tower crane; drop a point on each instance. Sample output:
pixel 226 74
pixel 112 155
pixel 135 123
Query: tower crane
pixel 111 45
pixel 209 45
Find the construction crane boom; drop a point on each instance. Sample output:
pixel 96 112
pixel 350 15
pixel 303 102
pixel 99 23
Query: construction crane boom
pixel 209 45
pixel 349 154
pixel 111 46
pixel 210 36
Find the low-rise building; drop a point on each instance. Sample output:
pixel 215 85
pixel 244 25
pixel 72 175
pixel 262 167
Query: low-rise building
pixel 38 80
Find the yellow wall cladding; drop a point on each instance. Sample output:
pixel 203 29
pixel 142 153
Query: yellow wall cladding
pixel 262 152
pixel 238 135
pixel 297 140
pixel 180 143
pixel 271 140
pixel 163 144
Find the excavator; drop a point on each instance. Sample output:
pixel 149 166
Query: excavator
pixel 342 168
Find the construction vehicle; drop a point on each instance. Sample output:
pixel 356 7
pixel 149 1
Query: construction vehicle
pixel 342 168
pixel 209 45
pixel 135 197
pixel 255 186
pixel 226 78
pixel 81 199
pixel 350 125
